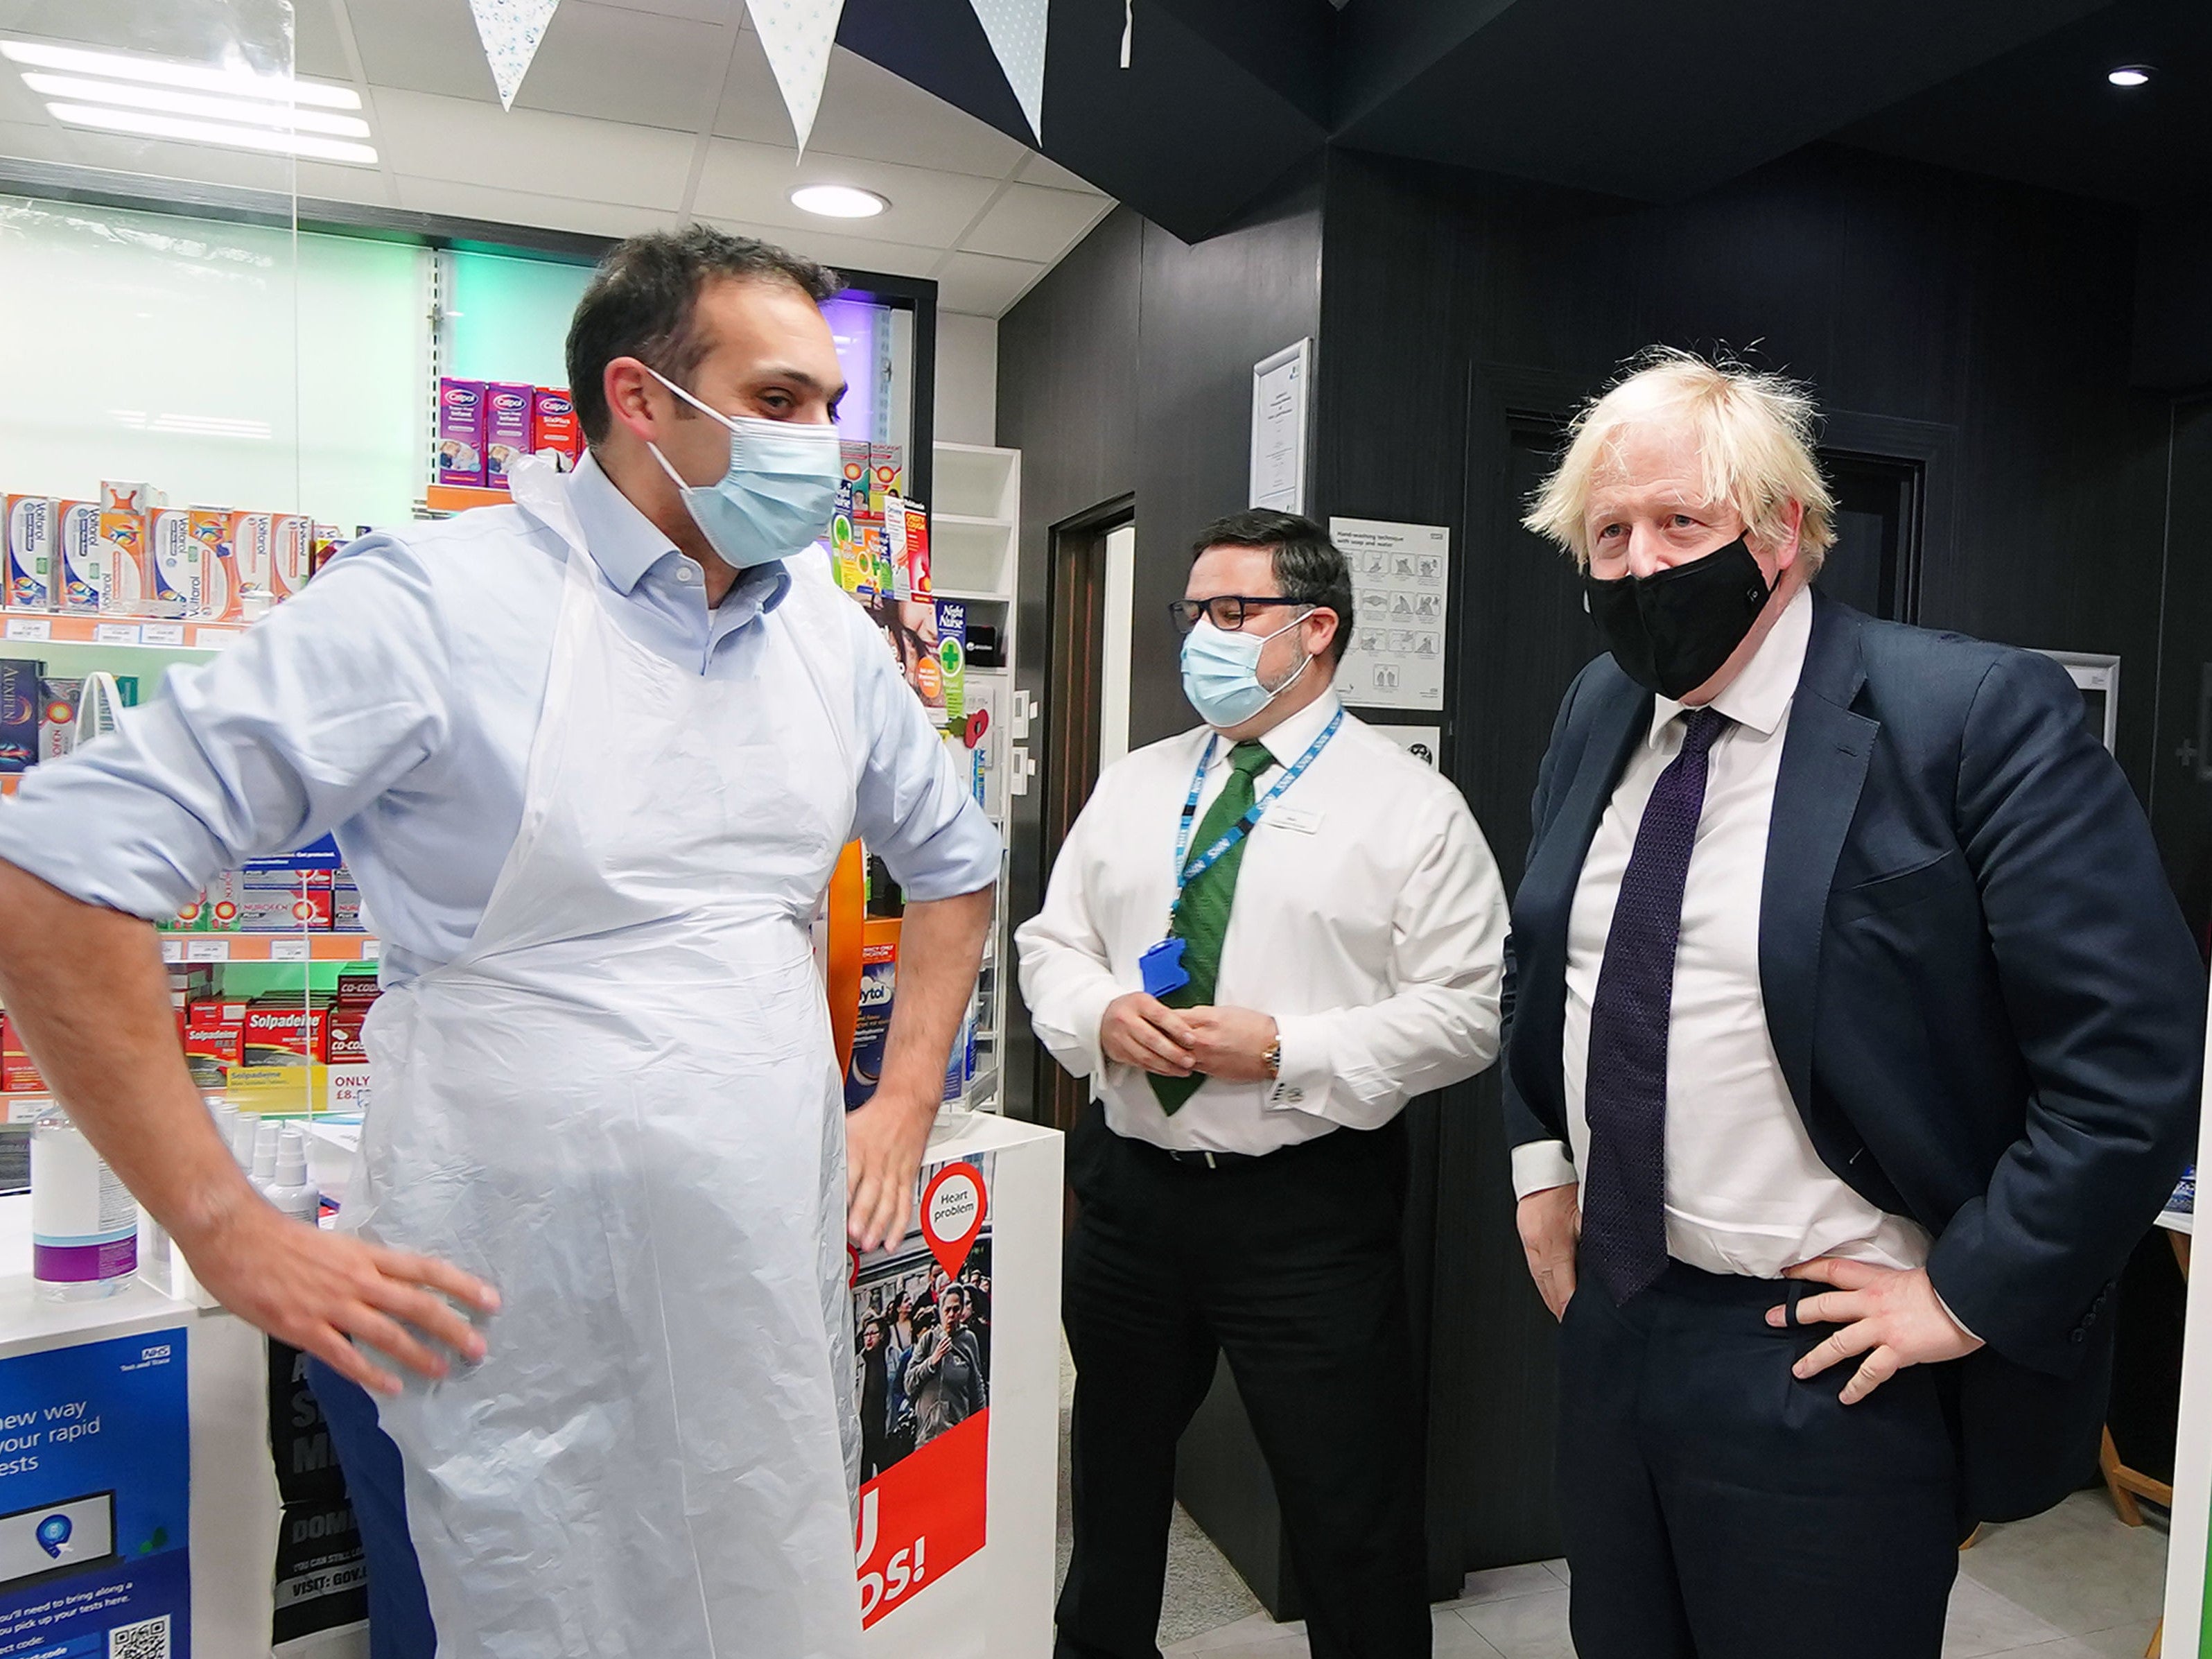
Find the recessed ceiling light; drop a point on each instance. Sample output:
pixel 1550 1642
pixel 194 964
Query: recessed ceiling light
pixel 196 77
pixel 2129 75
pixel 838 201
pixel 253 110
pixel 147 125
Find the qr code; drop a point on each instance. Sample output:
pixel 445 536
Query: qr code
pixel 147 1640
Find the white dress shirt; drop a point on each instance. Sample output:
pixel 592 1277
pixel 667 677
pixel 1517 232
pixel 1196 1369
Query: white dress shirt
pixel 1746 1193
pixel 1369 922
pixel 395 701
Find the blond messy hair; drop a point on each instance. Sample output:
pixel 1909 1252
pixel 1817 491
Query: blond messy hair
pixel 1753 432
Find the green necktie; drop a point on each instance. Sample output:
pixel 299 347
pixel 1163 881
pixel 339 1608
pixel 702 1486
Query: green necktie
pixel 1201 919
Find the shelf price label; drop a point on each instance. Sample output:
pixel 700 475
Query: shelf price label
pixel 207 950
pixel 161 633
pixel 371 949
pixel 173 950
pixel 288 950
pixel 29 628
pixel 115 633
pixel 216 639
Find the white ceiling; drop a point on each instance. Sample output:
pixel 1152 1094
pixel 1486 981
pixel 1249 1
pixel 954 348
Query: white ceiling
pixel 637 114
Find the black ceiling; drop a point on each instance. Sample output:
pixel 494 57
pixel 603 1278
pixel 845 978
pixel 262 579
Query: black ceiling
pixel 1654 100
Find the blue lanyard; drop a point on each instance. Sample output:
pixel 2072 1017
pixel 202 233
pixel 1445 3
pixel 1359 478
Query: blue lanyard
pixel 1236 831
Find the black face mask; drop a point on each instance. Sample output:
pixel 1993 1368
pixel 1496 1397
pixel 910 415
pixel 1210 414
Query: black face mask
pixel 1671 631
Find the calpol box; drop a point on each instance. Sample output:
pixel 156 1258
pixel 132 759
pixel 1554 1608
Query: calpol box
pixel 460 432
pixel 291 544
pixel 81 557
pixel 31 529
pixel 556 434
pixel 505 429
pixel 126 511
pixel 220 600
pixel 21 712
pixel 176 562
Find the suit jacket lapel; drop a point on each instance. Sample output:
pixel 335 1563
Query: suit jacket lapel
pixel 1546 901
pixel 1824 766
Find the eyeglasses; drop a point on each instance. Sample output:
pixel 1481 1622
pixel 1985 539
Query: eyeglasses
pixel 1226 611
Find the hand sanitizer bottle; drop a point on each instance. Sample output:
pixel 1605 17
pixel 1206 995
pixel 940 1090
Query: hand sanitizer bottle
pixel 84 1222
pixel 291 1192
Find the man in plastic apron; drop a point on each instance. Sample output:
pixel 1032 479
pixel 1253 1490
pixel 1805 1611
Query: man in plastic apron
pixel 604 1102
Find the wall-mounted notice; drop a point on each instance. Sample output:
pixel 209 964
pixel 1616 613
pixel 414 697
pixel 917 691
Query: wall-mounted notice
pixel 1400 574
pixel 1279 384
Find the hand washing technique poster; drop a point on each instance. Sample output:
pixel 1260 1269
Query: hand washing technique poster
pixel 921 1322
pixel 95 1493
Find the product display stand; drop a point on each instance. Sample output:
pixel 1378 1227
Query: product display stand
pixel 995 1603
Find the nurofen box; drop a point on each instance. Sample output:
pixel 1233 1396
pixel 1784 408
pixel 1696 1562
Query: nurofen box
pixel 556 434
pixel 460 432
pixel 871 1031
pixel 250 536
pixel 57 705
pixel 81 557
pixel 176 564
pixel 505 429
pixel 283 901
pixel 291 539
pixel 219 584
pixel 22 713
pixel 31 530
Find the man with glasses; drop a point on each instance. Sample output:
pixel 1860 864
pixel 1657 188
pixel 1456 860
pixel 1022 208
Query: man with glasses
pixel 1261 940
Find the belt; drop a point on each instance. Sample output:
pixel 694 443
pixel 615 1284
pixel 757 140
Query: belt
pixel 1206 1160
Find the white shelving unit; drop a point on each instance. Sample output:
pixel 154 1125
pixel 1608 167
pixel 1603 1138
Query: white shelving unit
pixel 973 524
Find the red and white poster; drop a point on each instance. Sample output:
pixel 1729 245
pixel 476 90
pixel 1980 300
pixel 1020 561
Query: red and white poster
pixel 921 1323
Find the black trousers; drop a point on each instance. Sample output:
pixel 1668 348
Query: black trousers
pixel 1290 1265
pixel 1716 1508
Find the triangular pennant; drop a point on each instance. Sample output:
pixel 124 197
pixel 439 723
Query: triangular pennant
pixel 796 35
pixel 1016 30
pixel 510 31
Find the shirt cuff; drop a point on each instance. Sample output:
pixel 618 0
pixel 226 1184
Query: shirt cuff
pixel 1302 1079
pixel 1965 1329
pixel 1540 1165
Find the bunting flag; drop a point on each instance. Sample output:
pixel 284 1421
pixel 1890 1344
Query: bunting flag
pixel 510 31
pixel 1016 30
pixel 798 35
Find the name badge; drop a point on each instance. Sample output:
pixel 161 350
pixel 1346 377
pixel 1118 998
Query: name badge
pixel 1299 819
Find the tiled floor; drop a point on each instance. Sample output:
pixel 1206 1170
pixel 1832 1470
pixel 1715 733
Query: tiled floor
pixel 2071 1584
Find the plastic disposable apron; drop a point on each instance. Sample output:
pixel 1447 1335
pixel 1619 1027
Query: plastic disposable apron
pixel 619 1106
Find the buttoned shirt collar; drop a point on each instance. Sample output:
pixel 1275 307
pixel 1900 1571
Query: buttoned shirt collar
pixel 626 546
pixel 1760 696
pixel 1291 740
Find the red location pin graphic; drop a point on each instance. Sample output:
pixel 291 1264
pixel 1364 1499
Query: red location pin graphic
pixel 952 1208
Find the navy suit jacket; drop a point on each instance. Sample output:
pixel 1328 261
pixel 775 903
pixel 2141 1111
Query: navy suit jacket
pixel 1989 1010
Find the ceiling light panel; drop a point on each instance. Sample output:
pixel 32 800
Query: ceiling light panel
pixel 146 124
pixel 206 106
pixel 238 82
pixel 838 201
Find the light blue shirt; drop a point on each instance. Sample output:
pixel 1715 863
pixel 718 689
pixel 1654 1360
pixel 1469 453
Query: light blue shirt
pixel 394 702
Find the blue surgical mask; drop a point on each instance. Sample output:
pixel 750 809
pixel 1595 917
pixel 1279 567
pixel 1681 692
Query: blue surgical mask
pixel 1221 673
pixel 778 494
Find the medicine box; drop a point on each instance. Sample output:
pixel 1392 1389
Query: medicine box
pixel 211 527
pixel 22 713
pixel 290 542
pixel 556 434
pixel 31 529
pixel 871 1031
pixel 175 561
pixel 250 534
pixel 460 432
pixel 506 423
pixel 79 558
pixel 17 1074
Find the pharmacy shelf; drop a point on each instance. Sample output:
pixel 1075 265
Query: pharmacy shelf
pixel 61 627
pixel 181 947
pixel 970 595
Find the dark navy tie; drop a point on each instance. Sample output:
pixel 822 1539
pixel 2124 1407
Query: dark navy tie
pixel 1624 1243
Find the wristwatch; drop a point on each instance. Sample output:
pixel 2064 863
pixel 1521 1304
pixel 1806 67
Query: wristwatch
pixel 1272 1057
